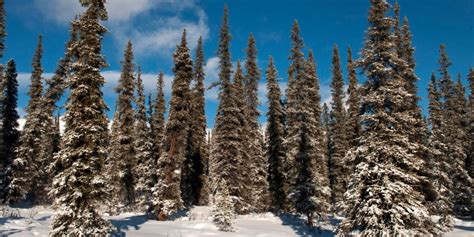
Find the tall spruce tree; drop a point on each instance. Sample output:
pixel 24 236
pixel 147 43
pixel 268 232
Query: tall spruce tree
pixel 171 164
pixel 439 163
pixel 257 159
pixel 338 144
pixel 3 32
pixel 470 126
pixel 145 167
pixel 121 165
pixel 27 168
pixel 275 133
pixel 79 188
pixel 226 137
pixel 352 103
pixel 197 142
pixel 454 137
pixel 157 117
pixel 383 196
pixel 10 124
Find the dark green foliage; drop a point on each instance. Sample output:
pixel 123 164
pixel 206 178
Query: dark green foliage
pixel 275 141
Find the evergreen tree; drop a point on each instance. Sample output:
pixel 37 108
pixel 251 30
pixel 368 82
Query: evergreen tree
pixel 10 123
pixel 226 156
pixel 293 105
pixel 275 141
pixel 199 150
pixel 338 144
pixel 439 162
pixel 145 167
pixel 383 196
pixel 222 209
pixel 157 117
pixel 352 103
pixel 122 164
pixel 26 168
pixel 455 137
pixel 255 139
pixel 79 188
pixel 470 126
pixel 172 166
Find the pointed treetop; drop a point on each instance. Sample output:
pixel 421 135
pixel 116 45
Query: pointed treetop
pixel 183 39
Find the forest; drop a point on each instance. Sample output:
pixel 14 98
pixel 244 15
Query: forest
pixel 370 156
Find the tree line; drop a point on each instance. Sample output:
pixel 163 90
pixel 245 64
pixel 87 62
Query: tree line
pixel 370 155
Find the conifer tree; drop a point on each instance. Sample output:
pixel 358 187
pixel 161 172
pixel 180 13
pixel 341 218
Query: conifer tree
pixel 10 123
pixel 122 164
pixel 172 166
pixel 226 155
pixel 452 100
pixel 275 141
pixel 198 144
pixel 255 149
pixel 470 126
pixel 383 196
pixel 145 167
pixel 157 117
pixel 26 168
pixel 223 212
pixel 338 144
pixel 79 188
pixel 438 161
pixel 247 193
pixel 352 103
pixel 295 76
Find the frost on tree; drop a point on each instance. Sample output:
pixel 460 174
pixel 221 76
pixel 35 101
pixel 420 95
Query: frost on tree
pixel 275 150
pixel 27 170
pixel 122 159
pixel 79 189
pixel 170 164
pixel 383 196
pixel 145 167
pixel 223 208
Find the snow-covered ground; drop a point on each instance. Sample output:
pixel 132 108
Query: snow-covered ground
pixel 27 222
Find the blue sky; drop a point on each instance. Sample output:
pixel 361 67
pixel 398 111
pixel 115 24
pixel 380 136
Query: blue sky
pixel 154 26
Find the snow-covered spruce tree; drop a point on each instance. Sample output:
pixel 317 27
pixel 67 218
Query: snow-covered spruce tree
pixel 275 150
pixel 247 193
pixel 226 153
pixel 339 169
pixel 258 163
pixel 293 106
pixel 454 137
pixel 157 117
pixel 121 166
pixel 316 135
pixel 223 208
pixel 383 197
pixel 145 167
pixel 54 91
pixel 439 162
pixel 27 175
pixel 198 144
pixel 325 120
pixel 352 103
pixel 195 162
pixel 470 126
pixel 463 184
pixel 9 123
pixel 304 192
pixel 171 169
pixel 80 187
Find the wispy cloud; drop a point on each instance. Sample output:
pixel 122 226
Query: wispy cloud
pixel 154 26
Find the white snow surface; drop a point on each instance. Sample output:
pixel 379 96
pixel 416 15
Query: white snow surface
pixel 25 222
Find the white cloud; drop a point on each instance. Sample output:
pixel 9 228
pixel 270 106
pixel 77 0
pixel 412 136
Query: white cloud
pixel 157 34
